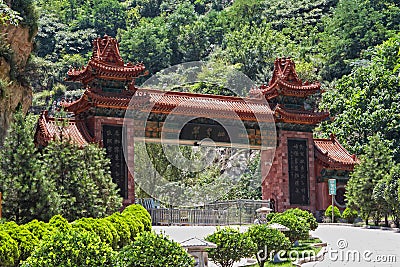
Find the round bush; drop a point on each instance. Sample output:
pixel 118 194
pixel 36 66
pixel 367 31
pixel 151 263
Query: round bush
pixel 349 215
pixel 71 248
pixel 93 225
pixel 26 241
pixel 336 213
pixel 135 226
pixel 38 228
pixel 9 253
pixel 59 222
pixel 151 250
pixel 298 228
pixel 231 246
pixel 268 239
pixel 113 231
pixel 138 212
pixel 305 215
pixel 122 228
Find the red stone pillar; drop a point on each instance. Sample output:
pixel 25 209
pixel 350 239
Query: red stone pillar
pixel 130 160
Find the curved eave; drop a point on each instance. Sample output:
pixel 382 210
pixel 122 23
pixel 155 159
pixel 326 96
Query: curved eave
pixel 99 69
pixel 304 117
pixel 49 129
pixel 178 103
pixel 332 155
pixel 280 87
pixel 329 163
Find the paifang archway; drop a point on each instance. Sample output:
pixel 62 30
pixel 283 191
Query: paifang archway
pixel 294 165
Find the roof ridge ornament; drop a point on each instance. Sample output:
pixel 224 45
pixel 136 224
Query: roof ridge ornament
pixel 106 63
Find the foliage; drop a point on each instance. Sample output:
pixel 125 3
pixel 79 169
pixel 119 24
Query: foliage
pixel 304 215
pixel 336 213
pixel 9 252
pixel 39 229
pixel 26 10
pixel 392 193
pixel 59 223
pixel 82 179
pixel 349 215
pixel 27 194
pixel 374 165
pixel 231 246
pixel 100 228
pixel 138 219
pixel 25 239
pixel 366 101
pixel 355 26
pixel 299 229
pixel 151 250
pixel 268 241
pixel 248 186
pixel 71 248
pixel 122 228
pixel 7 15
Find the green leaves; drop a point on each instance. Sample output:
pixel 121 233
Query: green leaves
pixel 299 228
pixel 267 240
pixel 82 178
pixel 71 248
pixel 375 164
pixel 152 250
pixel 232 245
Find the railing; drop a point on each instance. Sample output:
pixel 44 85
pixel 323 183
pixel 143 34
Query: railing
pixel 235 212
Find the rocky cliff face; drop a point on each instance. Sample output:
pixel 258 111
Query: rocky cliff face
pixel 13 91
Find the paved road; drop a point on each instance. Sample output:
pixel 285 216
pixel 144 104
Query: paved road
pixel 347 246
pixel 352 246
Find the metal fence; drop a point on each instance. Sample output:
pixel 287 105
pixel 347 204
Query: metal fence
pixel 234 212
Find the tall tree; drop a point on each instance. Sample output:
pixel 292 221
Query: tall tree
pixel 392 193
pixel 367 101
pixel 375 164
pixel 27 193
pixel 82 179
pixel 355 26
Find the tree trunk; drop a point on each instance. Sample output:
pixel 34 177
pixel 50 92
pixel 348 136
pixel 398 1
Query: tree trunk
pixel 386 220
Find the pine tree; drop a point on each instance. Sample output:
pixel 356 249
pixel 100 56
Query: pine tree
pixel 392 193
pixel 26 193
pixel 82 179
pixel 375 164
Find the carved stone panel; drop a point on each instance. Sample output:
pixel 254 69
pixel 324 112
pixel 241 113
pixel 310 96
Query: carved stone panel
pixel 298 172
pixel 112 141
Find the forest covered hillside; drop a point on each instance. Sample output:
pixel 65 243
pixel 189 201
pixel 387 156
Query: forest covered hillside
pixel 350 46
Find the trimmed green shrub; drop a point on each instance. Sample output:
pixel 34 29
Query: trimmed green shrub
pixel 336 213
pixel 135 226
pixel 39 229
pixel 59 222
pixel 298 228
pixel 349 215
pixel 270 216
pixel 9 253
pixel 306 215
pixel 268 239
pixel 138 212
pixel 98 228
pixel 151 250
pixel 113 231
pixel 71 248
pixel 231 246
pixel 26 240
pixel 122 228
